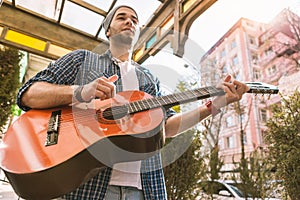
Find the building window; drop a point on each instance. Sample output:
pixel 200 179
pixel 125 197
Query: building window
pixel 215 61
pixel 150 41
pixel 229 121
pixel 269 51
pixel 235 60
pixel 257 74
pixel 167 24
pixel 254 58
pixel 272 70
pixel 224 69
pixel 244 138
pixel 252 40
pixel 223 53
pixel 242 118
pixel 217 76
pixel 263 115
pixel 250 24
pixel 230 141
pixel 233 44
pixel 221 144
pixel 261 29
pixel 238 76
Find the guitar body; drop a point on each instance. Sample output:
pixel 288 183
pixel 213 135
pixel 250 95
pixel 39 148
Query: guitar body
pixel 44 163
pixel 48 153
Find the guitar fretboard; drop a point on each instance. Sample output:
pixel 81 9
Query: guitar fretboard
pixel 173 99
pixel 170 100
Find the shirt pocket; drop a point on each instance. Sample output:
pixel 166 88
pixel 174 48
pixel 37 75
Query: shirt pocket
pixel 92 75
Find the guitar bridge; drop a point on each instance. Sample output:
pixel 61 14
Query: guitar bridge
pixel 53 127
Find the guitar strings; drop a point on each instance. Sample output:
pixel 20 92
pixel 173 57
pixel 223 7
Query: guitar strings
pixel 146 104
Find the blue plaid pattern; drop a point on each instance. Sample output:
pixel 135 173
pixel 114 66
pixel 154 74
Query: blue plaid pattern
pixel 81 67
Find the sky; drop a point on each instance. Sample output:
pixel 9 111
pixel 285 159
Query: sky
pixel 223 14
pixel 207 29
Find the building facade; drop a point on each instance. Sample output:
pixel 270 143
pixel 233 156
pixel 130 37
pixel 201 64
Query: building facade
pixel 252 52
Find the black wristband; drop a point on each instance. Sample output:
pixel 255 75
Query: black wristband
pixel 77 94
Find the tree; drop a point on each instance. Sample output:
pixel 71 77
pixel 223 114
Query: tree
pixel 183 174
pixel 215 163
pixel 211 75
pixel 183 161
pixel 210 131
pixel 9 82
pixel 252 170
pixel 283 137
pixel 243 168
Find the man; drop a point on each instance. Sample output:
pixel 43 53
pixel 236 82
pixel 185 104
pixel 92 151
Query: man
pixel 81 76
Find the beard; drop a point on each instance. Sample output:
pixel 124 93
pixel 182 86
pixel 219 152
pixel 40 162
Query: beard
pixel 127 38
pixel 123 38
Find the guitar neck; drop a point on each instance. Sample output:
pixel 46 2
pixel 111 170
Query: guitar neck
pixel 193 95
pixel 174 99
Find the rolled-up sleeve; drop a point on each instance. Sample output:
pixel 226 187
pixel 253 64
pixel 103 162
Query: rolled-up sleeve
pixel 62 71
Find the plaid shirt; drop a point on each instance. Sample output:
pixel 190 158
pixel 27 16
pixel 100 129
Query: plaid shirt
pixel 81 67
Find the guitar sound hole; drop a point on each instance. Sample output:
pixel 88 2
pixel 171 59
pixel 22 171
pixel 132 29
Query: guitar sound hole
pixel 114 113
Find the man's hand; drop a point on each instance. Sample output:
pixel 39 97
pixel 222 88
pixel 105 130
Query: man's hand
pixel 102 88
pixel 234 91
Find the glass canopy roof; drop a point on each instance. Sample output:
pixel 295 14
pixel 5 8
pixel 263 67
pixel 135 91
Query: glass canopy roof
pixel 83 15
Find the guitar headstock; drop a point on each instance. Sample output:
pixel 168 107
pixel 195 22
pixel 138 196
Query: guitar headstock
pixel 261 88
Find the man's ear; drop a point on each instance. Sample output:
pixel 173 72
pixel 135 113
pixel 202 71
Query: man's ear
pixel 107 33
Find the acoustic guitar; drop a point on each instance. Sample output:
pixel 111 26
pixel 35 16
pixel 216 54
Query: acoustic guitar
pixel 51 152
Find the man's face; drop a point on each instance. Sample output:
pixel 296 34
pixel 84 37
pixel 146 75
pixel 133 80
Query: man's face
pixel 123 26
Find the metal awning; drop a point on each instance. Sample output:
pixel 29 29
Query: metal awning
pixel 52 28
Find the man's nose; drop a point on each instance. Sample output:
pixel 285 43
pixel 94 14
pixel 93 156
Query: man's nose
pixel 130 22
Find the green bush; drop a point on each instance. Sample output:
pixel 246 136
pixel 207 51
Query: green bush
pixel 9 82
pixel 283 138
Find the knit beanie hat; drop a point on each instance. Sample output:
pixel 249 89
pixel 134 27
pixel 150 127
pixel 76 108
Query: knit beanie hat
pixel 110 15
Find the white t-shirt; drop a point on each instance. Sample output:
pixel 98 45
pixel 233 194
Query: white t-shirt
pixel 127 173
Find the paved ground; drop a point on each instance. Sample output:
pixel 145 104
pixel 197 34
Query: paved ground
pixel 7 193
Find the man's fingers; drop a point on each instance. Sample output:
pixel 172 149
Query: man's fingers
pixel 106 87
pixel 233 89
pixel 100 94
pixel 227 78
pixel 113 78
pixel 230 86
pixel 241 86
